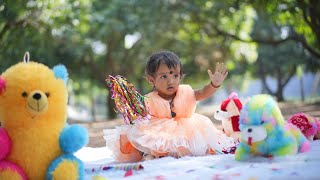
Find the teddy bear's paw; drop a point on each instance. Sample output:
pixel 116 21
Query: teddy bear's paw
pixel 66 167
pixel 72 138
pixel 11 171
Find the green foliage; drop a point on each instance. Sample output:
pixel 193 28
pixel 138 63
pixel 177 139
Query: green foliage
pixel 91 37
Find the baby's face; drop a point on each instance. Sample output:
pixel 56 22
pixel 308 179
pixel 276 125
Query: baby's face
pixel 167 80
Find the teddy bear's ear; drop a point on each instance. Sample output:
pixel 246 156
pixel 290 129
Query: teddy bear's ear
pixel 2 85
pixel 60 72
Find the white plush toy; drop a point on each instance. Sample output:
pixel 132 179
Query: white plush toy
pixel 229 115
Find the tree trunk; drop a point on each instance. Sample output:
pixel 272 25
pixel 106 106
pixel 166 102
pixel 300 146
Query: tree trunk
pixel 279 92
pixel 315 84
pixel 93 108
pixel 111 107
pixel 301 89
pixel 111 69
pixel 265 88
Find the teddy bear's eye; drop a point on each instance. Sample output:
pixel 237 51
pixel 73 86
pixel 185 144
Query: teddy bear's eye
pixel 24 94
pixel 47 94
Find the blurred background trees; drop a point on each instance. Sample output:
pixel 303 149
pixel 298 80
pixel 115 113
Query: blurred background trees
pixel 270 41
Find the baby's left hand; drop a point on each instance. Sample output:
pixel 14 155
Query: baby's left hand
pixel 219 75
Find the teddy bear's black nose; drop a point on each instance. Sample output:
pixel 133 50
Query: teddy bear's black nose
pixel 37 96
pixel 249 130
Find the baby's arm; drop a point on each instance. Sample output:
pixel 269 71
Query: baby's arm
pixel 216 80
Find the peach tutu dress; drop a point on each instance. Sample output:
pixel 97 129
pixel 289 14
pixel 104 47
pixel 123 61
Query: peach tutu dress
pixel 188 133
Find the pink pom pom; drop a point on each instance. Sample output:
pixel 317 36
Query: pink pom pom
pixel 233 95
pixel 5 142
pixel 318 124
pixel 13 167
pixel 2 85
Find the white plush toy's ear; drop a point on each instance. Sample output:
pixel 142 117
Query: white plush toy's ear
pixel 60 72
pixel 2 85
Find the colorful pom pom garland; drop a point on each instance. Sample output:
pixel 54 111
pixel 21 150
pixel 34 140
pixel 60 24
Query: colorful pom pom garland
pixel 129 102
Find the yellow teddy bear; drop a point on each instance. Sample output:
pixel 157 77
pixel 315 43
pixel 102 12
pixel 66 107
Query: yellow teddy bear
pixel 36 142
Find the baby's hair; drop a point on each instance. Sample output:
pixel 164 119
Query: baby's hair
pixel 165 57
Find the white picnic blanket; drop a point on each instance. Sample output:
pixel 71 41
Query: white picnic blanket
pixel 300 166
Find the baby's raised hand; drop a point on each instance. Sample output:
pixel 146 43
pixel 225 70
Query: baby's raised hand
pixel 219 75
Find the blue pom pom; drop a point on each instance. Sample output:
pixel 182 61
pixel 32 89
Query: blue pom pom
pixel 72 138
pixel 60 72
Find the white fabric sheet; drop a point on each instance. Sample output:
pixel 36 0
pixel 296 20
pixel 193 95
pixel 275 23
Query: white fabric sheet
pixel 300 166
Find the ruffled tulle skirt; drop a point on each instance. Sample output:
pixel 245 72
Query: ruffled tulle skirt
pixel 194 136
